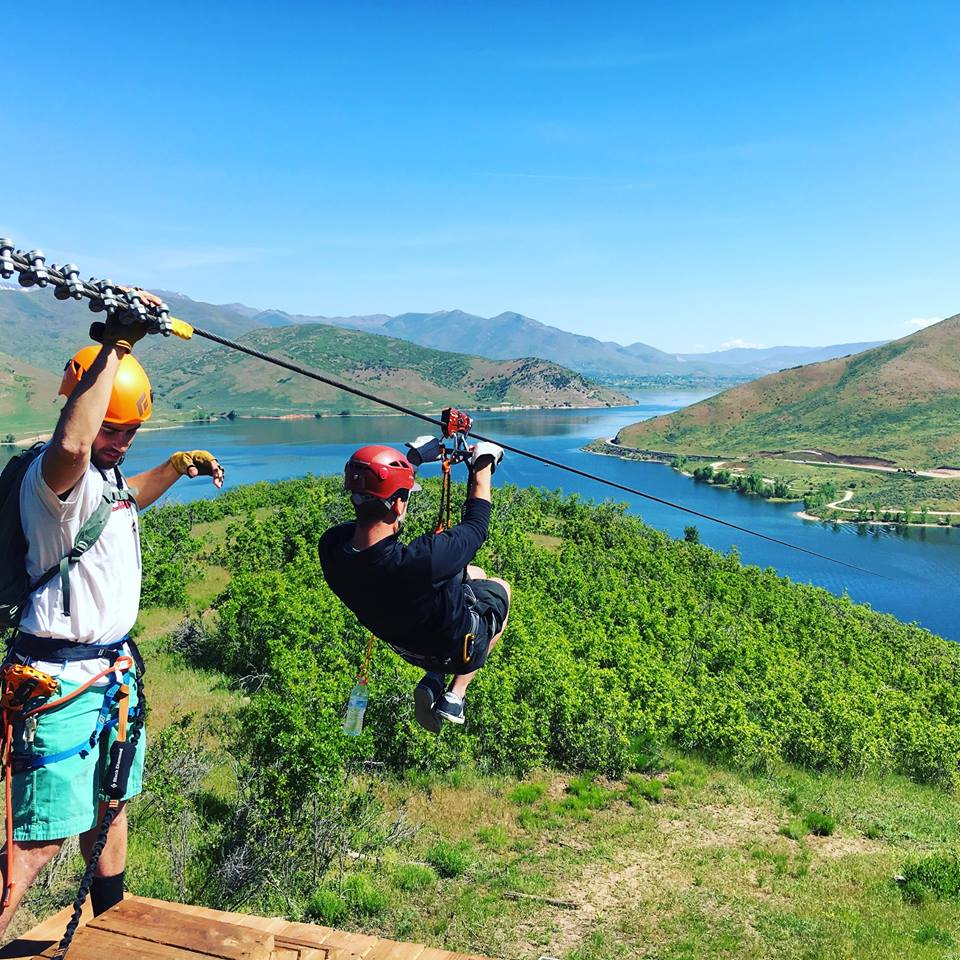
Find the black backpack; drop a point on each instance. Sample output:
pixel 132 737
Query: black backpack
pixel 15 585
pixel 14 582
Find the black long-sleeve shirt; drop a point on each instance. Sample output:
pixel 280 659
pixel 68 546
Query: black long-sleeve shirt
pixel 410 596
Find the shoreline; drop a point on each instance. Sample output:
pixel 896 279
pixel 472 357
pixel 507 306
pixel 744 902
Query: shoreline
pixel 800 514
pixel 175 424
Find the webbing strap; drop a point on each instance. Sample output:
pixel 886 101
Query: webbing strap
pixel 104 722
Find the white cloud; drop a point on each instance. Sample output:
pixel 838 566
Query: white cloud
pixel 918 323
pixel 739 344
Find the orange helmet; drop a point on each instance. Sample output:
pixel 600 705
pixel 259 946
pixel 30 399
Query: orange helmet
pixel 131 400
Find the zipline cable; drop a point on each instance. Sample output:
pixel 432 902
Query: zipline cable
pixel 313 375
pixel 125 303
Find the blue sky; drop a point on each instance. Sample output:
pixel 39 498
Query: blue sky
pixel 688 175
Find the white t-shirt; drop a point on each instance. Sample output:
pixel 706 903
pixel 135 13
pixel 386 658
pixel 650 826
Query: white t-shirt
pixel 104 583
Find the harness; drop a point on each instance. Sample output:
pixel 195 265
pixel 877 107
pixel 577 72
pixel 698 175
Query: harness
pixel 26 647
pixel 456 427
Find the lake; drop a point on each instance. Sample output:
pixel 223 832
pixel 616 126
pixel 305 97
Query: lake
pixel 917 571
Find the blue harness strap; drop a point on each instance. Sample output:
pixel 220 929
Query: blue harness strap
pixel 104 722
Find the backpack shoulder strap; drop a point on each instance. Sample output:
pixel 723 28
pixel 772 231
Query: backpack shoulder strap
pixel 87 536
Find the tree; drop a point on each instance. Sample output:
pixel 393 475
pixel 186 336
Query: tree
pixel 691 534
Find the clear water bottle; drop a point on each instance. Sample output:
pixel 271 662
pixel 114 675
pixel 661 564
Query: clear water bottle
pixel 356 705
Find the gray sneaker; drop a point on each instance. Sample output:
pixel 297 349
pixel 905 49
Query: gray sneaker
pixel 425 696
pixel 450 707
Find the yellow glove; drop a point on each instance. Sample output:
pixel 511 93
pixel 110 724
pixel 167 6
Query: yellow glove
pixel 195 463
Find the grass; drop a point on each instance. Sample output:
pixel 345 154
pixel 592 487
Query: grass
pixel 450 859
pixel 703 873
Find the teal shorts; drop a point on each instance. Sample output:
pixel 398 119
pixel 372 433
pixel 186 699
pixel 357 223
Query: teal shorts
pixel 62 799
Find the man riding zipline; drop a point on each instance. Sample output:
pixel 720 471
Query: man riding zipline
pixel 425 599
pixel 69 680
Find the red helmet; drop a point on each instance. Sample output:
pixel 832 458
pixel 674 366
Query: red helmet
pixel 380 472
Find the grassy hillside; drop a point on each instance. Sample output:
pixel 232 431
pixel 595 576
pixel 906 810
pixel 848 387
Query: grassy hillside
pixel 899 402
pixel 28 398
pixel 215 379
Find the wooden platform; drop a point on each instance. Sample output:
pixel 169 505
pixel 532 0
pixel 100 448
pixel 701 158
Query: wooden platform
pixel 145 929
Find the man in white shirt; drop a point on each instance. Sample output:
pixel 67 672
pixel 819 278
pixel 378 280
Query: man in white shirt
pixel 60 756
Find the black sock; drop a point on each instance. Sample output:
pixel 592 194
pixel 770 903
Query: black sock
pixel 105 892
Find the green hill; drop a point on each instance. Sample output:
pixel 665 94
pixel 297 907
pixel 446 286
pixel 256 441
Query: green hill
pixel 28 398
pixel 899 402
pixel 198 378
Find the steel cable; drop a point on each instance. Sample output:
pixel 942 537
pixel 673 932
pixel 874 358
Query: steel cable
pixel 400 408
pixel 104 296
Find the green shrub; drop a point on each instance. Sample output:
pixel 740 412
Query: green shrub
pixel 795 830
pixel 931 933
pixel 933 877
pixel 326 906
pixel 644 790
pixel 495 837
pixel 526 794
pixel 876 831
pixel 448 859
pixel 820 824
pixel 413 876
pixel 585 794
pixel 682 645
pixel 363 897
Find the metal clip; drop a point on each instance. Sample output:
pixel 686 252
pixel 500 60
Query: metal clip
pixel 74 287
pixel 37 274
pixel 164 323
pixel 134 309
pixel 30 729
pixel 107 300
pixel 6 258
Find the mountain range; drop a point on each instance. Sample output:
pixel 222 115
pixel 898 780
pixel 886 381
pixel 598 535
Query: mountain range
pixel 198 379
pixel 510 335
pixel 898 402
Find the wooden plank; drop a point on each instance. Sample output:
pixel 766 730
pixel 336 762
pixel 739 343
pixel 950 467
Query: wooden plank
pixel 431 953
pixel 348 946
pixel 91 944
pixel 47 932
pixel 268 924
pixel 393 950
pixel 175 928
pixel 302 934
pixel 283 953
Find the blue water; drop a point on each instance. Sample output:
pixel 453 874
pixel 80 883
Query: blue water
pixel 919 570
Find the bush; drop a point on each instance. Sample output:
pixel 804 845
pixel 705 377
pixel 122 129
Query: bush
pixel 448 859
pixel 643 790
pixel 681 645
pixel 363 897
pixel 413 876
pixel 795 830
pixel 933 877
pixel 526 794
pixel 820 824
pixel 326 906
